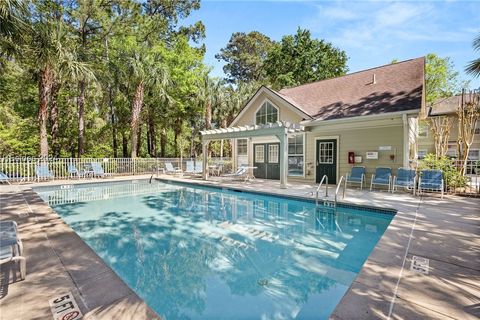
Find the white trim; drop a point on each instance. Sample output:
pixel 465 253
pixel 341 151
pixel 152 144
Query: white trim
pixel 316 122
pixel 270 93
pixel 258 109
pixel 315 156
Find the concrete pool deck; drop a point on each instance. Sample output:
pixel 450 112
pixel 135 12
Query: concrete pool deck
pixel 444 231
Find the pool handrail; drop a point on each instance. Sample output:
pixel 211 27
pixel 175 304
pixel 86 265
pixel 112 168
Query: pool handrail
pixel 342 178
pixel 324 178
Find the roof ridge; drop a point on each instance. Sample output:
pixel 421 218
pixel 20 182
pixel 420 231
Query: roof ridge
pixel 353 73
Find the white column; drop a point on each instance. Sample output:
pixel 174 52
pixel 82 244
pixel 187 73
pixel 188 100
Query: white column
pixel 250 152
pixel 233 145
pixel 283 152
pixel 205 160
pixel 406 141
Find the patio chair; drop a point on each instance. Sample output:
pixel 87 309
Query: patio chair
pixel 431 180
pixel 357 175
pixel 241 173
pixel 4 178
pixel 169 169
pixel 97 170
pixel 190 168
pixel 406 177
pixel 198 167
pixel 42 172
pixel 74 172
pixel 382 176
pixel 11 247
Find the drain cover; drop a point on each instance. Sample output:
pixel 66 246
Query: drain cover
pixel 420 265
pixel 262 282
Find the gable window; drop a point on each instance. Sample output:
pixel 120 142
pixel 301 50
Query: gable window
pixel 266 114
pixel 295 155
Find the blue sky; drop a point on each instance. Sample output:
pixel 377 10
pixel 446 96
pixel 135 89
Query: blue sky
pixel 371 32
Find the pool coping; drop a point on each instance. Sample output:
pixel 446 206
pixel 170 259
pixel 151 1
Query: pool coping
pixel 373 294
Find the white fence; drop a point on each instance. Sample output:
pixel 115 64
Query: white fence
pixel 26 169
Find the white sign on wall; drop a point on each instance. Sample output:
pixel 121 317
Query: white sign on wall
pixel 385 148
pixel 372 155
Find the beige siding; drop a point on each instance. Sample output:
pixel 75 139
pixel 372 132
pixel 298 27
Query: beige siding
pixel 367 137
pixel 285 112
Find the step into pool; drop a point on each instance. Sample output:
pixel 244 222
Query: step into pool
pixel 196 252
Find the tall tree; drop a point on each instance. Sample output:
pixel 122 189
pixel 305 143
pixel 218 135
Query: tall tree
pixel 299 59
pixel 245 55
pixel 474 66
pixel 441 79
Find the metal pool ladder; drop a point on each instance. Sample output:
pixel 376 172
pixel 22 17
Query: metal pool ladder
pixel 342 179
pixel 325 199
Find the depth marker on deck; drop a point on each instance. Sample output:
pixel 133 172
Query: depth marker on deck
pixel 420 264
pixel 65 307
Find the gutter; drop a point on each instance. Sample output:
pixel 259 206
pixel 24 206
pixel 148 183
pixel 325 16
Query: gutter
pixel 373 117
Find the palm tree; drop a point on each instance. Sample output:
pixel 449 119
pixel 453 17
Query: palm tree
pixel 474 66
pixel 13 26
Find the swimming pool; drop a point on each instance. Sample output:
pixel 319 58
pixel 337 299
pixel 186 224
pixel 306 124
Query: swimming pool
pixel 194 252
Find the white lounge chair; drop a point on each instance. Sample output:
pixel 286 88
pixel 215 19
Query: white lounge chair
pixel 169 169
pixel 11 247
pixel 190 168
pixel 241 173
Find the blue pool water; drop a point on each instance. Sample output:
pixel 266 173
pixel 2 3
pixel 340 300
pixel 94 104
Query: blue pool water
pixel 202 253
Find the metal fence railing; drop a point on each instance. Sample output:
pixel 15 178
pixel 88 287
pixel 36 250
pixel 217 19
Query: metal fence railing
pixel 19 169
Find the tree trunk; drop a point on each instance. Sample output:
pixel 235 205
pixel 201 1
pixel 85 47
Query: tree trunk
pixel 124 145
pixel 54 119
pixel 139 139
pixel 149 143
pixel 114 125
pixel 81 119
pixel 136 109
pixel 44 89
pixel 153 138
pixel 208 115
pixel 163 142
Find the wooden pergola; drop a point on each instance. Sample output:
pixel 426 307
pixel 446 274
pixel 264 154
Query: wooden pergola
pixel 279 129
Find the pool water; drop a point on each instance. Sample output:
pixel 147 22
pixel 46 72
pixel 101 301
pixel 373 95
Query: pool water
pixel 196 252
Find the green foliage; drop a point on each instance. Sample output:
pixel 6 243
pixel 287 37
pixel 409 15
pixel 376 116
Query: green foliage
pixel 451 174
pixel 441 79
pixel 473 66
pixel 299 59
pixel 245 55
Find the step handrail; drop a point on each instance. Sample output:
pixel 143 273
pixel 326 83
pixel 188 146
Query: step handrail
pixel 342 178
pixel 324 178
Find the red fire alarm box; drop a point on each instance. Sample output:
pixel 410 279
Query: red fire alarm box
pixel 351 157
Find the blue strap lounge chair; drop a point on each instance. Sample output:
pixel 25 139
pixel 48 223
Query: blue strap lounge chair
pixel 98 170
pixel 11 247
pixel 406 177
pixel 198 167
pixel 241 173
pixel 42 172
pixel 357 175
pixel 74 172
pixel 431 180
pixel 169 169
pixel 382 176
pixel 190 168
pixel 4 178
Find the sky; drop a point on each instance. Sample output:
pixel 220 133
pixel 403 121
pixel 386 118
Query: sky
pixel 372 33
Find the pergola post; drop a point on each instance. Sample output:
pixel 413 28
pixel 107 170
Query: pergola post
pixel 205 160
pixel 283 153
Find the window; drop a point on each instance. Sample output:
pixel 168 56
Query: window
pixel 421 154
pixel 423 130
pixel 452 150
pixel 266 114
pixel 259 154
pixel 273 153
pixel 477 127
pixel 295 155
pixel 325 153
pixel 474 154
pixel 242 147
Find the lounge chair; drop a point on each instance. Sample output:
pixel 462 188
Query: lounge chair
pixel 42 172
pixel 241 173
pixel 190 168
pixel 382 176
pixel 169 169
pixel 431 180
pixel 11 247
pixel 406 177
pixel 74 172
pixel 198 167
pixel 4 178
pixel 97 170
pixel 357 175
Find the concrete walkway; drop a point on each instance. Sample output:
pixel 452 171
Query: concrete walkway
pixel 444 231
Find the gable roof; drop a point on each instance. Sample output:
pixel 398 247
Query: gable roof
pixel 291 105
pixel 390 88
